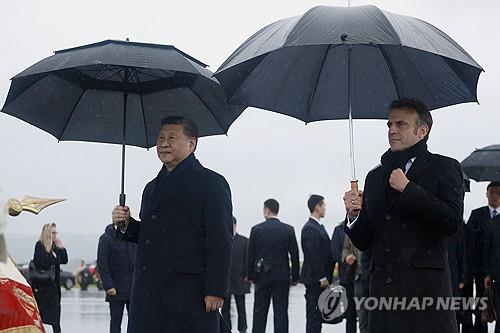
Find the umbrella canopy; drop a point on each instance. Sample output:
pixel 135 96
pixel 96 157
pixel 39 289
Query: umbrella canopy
pixel 347 63
pixel 332 60
pixel 483 164
pixel 118 92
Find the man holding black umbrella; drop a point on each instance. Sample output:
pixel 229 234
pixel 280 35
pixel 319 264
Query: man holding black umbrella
pixel 410 204
pixel 184 240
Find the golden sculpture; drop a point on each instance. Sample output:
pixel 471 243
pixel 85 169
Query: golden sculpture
pixel 29 204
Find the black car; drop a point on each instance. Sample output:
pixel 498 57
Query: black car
pixel 67 278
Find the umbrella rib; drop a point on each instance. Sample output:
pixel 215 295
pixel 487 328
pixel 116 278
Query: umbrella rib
pixel 72 111
pixel 209 110
pixel 459 78
pixel 144 118
pixel 391 70
pixel 323 60
pixel 419 75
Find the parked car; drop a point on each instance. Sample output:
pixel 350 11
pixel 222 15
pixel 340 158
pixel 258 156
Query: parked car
pixel 88 276
pixel 67 278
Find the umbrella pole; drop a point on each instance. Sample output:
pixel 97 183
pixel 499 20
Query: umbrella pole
pixel 354 181
pixel 122 194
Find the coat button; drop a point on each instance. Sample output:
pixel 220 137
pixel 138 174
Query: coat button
pixel 389 280
pixel 147 241
pixel 388 217
pixel 144 268
pixel 153 217
pixel 387 249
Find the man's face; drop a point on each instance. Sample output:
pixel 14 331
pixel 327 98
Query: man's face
pixel 321 209
pixel 173 146
pixel 493 195
pixel 402 129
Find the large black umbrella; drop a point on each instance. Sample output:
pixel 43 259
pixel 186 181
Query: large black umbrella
pixel 118 92
pixel 483 164
pixel 345 63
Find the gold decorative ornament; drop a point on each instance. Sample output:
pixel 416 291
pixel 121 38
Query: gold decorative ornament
pixel 29 204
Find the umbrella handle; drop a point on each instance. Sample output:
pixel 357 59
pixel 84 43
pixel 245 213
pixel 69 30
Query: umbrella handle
pixel 354 186
pixel 122 199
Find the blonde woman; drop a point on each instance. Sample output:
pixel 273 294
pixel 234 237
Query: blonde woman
pixel 49 251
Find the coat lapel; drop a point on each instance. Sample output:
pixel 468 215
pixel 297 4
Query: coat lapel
pixel 176 183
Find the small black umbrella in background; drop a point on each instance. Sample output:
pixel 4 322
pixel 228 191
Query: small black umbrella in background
pixel 118 92
pixel 347 63
pixel 483 164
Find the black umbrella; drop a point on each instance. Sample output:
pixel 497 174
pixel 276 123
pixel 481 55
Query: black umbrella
pixel 118 92
pixel 483 164
pixel 345 63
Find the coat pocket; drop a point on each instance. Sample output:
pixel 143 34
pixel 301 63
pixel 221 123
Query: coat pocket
pixel 189 267
pixel 428 262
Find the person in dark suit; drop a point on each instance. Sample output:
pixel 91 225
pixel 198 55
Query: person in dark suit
pixel 238 285
pixel 337 246
pixel 491 259
pixel 272 247
pixel 49 252
pixel 410 204
pixel 184 240
pixel 115 264
pixel 458 267
pixel 317 268
pixel 475 238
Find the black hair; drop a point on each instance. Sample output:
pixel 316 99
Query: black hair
pixel 272 205
pixel 493 184
pixel 424 115
pixel 188 126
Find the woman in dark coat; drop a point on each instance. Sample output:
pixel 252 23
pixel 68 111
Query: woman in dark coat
pixel 49 251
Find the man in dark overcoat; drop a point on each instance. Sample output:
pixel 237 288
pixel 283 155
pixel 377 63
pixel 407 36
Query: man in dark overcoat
pixel 184 240
pixel 238 284
pixel 115 264
pixel 411 202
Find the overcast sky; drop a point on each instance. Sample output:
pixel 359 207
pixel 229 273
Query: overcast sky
pixel 264 155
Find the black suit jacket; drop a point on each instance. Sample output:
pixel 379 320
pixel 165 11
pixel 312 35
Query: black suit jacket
pixel 408 242
pixel 475 241
pixel 456 259
pixel 275 243
pixel 237 284
pixel 491 255
pixel 318 261
pixel 184 248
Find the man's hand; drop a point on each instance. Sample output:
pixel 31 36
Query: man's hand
pixel 398 180
pixel 121 216
pixel 461 285
pixel 213 303
pixel 350 259
pixel 353 201
pixel 111 292
pixel 324 284
pixel 487 281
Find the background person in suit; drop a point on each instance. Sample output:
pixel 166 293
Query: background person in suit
pixel 317 268
pixel 184 240
pixel 475 238
pixel 238 285
pixel 115 264
pixel 271 248
pixel 458 267
pixel 337 245
pixel 410 204
pixel 491 259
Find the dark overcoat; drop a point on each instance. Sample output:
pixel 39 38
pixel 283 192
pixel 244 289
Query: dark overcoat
pixel 48 294
pixel 237 283
pixel 409 256
pixel 184 250
pixel 115 264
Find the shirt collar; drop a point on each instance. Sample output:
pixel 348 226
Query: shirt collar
pixel 315 219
